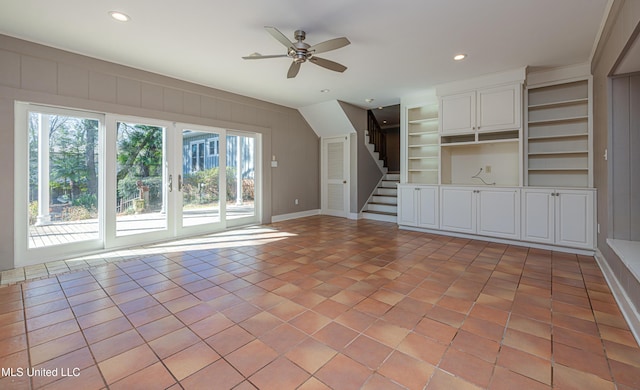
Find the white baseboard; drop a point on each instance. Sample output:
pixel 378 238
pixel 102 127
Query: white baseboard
pixel 578 251
pixel 301 214
pixel 627 308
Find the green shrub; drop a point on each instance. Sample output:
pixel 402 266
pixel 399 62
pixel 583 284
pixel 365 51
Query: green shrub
pixel 76 213
pixel 33 212
pixel 129 186
pixel 203 186
pixel 88 201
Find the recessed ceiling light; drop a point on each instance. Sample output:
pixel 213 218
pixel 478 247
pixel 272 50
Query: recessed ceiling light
pixel 369 100
pixel 119 16
pixel 380 108
pixel 324 90
pixel 460 57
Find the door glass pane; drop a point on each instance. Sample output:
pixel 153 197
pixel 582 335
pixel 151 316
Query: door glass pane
pixel 63 179
pixel 141 179
pixel 241 179
pixel 200 178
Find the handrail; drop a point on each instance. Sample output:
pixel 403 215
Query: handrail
pixel 377 137
pixel 124 205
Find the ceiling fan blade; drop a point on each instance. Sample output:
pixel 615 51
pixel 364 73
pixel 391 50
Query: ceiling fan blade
pixel 279 36
pixel 328 64
pixel 293 70
pixel 331 44
pixel 256 56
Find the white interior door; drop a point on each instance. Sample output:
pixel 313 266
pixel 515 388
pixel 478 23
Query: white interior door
pixel 335 176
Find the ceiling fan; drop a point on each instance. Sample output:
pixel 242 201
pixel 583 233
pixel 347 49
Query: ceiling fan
pixel 301 52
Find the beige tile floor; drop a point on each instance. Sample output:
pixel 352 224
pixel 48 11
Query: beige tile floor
pixel 316 303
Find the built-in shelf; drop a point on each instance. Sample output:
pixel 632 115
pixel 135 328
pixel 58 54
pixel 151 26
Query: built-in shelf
pixel 423 133
pixel 423 144
pixel 558 132
pixel 558 169
pixel 561 152
pixel 559 120
pixel 559 103
pixel 426 120
pixel 558 136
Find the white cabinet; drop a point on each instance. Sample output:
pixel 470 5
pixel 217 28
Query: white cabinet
pixel 558 216
pixel 458 113
pixel 418 206
pixel 487 211
pixel 488 109
pixel 458 209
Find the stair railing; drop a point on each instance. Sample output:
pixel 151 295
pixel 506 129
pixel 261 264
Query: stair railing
pixel 377 137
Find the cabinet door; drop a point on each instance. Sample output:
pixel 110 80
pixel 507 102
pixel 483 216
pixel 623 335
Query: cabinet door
pixel 499 108
pixel 458 113
pixel 574 218
pixel 458 210
pixel 538 215
pixel 499 212
pixel 428 207
pixel 407 213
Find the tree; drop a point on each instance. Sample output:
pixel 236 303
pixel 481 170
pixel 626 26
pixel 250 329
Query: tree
pixel 139 150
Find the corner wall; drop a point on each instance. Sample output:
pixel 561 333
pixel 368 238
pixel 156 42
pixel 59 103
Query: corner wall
pixel 40 74
pixel 368 172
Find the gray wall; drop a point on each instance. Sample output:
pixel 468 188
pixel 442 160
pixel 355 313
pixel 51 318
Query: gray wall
pixel 393 148
pixel 625 158
pixel 40 74
pixel 368 172
pixel 619 29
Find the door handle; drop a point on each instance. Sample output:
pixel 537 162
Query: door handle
pixel 170 184
pixel 179 182
pixel 344 182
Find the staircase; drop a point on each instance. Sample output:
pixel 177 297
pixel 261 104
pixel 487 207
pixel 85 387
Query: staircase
pixel 383 203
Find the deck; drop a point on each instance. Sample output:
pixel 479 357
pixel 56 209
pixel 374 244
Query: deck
pixel 65 232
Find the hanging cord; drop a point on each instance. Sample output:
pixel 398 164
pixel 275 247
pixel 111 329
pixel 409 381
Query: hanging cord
pixel 477 176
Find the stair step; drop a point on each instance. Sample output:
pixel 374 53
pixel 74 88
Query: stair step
pixel 380 212
pixel 384 217
pixel 382 207
pixel 386 191
pixel 385 199
pixel 392 176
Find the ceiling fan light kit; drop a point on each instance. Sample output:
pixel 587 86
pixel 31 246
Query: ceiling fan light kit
pixel 301 52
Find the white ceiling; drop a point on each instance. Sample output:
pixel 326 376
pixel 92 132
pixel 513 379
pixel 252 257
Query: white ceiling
pixel 397 48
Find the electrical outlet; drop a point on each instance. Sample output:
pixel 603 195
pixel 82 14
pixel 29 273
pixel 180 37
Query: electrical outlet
pixel 487 169
pixel 296 201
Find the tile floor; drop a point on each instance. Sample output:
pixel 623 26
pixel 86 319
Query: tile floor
pixel 319 303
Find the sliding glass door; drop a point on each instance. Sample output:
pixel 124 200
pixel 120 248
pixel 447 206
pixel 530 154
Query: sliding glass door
pixel 58 190
pixel 141 180
pixel 91 182
pixel 241 178
pixel 201 166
